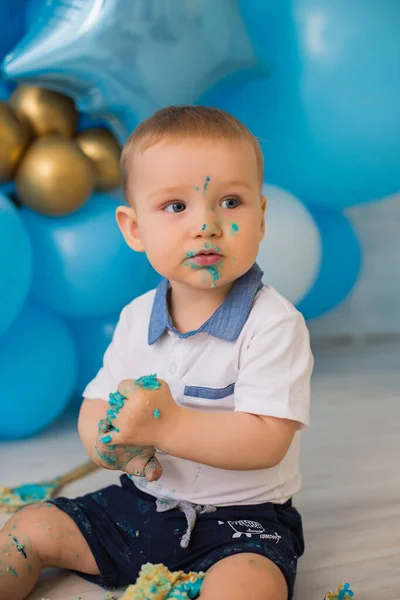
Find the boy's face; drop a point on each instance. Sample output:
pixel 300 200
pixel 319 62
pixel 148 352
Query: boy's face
pixel 195 209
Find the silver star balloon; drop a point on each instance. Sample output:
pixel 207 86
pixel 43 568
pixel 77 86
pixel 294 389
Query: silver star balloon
pixel 123 59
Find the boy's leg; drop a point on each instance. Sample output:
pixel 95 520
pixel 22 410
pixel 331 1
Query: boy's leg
pixel 36 537
pixel 244 577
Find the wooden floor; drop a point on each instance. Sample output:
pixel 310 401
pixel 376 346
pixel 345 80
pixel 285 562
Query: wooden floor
pixel 351 495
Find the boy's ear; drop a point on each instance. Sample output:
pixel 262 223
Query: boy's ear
pixel 264 202
pixel 127 222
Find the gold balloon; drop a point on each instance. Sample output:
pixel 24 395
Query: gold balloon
pixel 54 177
pixel 14 138
pixel 104 150
pixel 47 112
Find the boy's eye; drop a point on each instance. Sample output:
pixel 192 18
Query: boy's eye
pixel 175 207
pixel 230 203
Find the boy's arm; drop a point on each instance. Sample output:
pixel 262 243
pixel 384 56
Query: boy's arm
pixel 236 440
pixel 116 364
pixel 91 412
pixel 232 439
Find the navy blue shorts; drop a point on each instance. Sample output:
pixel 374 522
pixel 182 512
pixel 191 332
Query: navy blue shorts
pixel 123 530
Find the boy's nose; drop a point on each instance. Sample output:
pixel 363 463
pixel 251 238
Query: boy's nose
pixel 207 225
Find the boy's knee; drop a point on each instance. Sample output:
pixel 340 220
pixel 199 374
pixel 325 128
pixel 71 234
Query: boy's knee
pixel 51 537
pixel 30 528
pixel 243 577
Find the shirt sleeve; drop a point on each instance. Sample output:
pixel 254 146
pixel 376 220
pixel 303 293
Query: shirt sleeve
pixel 275 371
pixel 115 363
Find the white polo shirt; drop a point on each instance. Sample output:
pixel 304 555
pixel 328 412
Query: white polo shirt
pixel 253 355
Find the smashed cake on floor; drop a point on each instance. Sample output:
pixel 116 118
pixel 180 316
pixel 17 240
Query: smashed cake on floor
pixel 156 582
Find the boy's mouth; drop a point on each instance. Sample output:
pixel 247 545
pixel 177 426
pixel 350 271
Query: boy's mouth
pixel 204 258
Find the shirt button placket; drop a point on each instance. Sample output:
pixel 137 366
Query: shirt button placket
pixel 172 368
pixel 175 362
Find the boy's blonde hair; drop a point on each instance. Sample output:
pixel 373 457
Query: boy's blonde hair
pixel 180 122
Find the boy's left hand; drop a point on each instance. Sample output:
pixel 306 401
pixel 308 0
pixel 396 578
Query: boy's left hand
pixel 137 420
pixel 146 414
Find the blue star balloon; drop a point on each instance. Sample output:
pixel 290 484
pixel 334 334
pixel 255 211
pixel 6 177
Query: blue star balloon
pixel 121 60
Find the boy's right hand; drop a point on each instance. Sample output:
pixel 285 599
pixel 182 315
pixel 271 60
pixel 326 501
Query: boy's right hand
pixel 135 460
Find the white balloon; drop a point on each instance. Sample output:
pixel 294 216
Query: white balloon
pixel 290 253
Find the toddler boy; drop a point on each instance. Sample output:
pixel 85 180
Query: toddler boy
pixel 209 446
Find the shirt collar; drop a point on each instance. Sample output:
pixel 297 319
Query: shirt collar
pixel 228 320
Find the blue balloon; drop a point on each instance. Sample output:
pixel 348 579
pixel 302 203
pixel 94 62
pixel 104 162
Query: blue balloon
pixel 4 91
pixel 328 112
pixel 340 264
pixel 8 189
pixel 124 60
pixel 15 263
pixel 92 336
pixel 38 372
pixel 86 122
pixel 82 265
